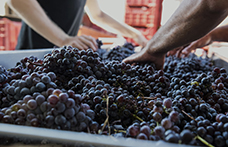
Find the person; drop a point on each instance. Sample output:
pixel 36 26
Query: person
pixel 218 34
pixel 192 20
pixel 55 23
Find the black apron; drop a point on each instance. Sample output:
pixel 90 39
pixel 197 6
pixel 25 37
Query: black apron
pixel 67 14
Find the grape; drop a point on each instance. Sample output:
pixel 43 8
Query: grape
pixel 201 131
pixel 160 131
pixel 21 113
pixel 20 121
pixel 166 123
pixel 24 91
pixel 46 79
pixel 69 113
pixel 145 130
pixel 40 86
pixel 142 136
pixel 167 103
pixel 60 120
pixel 219 141
pixel 186 136
pixel 90 113
pixel 70 103
pixel 157 116
pixel 94 126
pixel 82 126
pixel 60 107
pixel 30 116
pixel 133 130
pixel 56 92
pixel 63 97
pixel 50 120
pixel 80 116
pixel 40 99
pixel 32 104
pixel 173 138
pixel 34 122
pixel 174 116
pixel 53 99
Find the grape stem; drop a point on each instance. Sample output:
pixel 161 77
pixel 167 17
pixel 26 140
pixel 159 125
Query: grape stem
pixel 116 121
pixel 150 98
pixel 37 64
pixel 106 121
pixel 203 141
pixel 138 117
pixel 88 130
pixel 119 131
pixel 189 115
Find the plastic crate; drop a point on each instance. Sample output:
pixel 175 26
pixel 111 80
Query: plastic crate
pixel 140 3
pixel 4 41
pixel 144 16
pixel 9 31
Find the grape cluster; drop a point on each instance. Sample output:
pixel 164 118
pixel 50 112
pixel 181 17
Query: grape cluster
pixel 27 85
pixel 95 92
pixel 3 75
pixel 27 65
pixel 187 68
pixel 119 53
pixel 52 108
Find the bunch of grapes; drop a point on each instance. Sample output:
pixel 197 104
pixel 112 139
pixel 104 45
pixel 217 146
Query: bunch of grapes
pixel 95 92
pixel 52 108
pixel 27 85
pixel 119 53
pixel 3 75
pixel 187 68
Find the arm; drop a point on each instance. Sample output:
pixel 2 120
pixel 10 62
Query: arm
pixel 32 13
pixel 218 34
pixel 105 21
pixel 192 20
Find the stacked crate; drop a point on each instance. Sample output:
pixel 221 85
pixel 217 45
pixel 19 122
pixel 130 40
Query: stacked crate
pixel 9 31
pixel 144 15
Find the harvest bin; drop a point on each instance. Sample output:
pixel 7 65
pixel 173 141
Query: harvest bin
pixel 9 59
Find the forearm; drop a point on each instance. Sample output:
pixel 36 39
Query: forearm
pixel 112 25
pixel 103 20
pixel 192 20
pixel 219 34
pixel 31 12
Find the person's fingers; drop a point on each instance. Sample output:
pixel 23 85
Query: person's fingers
pixel 130 59
pixel 93 40
pixel 82 45
pixel 187 50
pixel 90 41
pixel 84 40
pixel 172 52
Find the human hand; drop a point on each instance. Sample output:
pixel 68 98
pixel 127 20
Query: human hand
pixel 145 56
pixel 186 50
pixel 82 42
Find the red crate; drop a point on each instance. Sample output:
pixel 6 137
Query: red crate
pixel 9 31
pixel 140 3
pixel 144 16
pixel 4 42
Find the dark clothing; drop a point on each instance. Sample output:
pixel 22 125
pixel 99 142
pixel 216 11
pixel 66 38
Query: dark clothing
pixel 67 14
